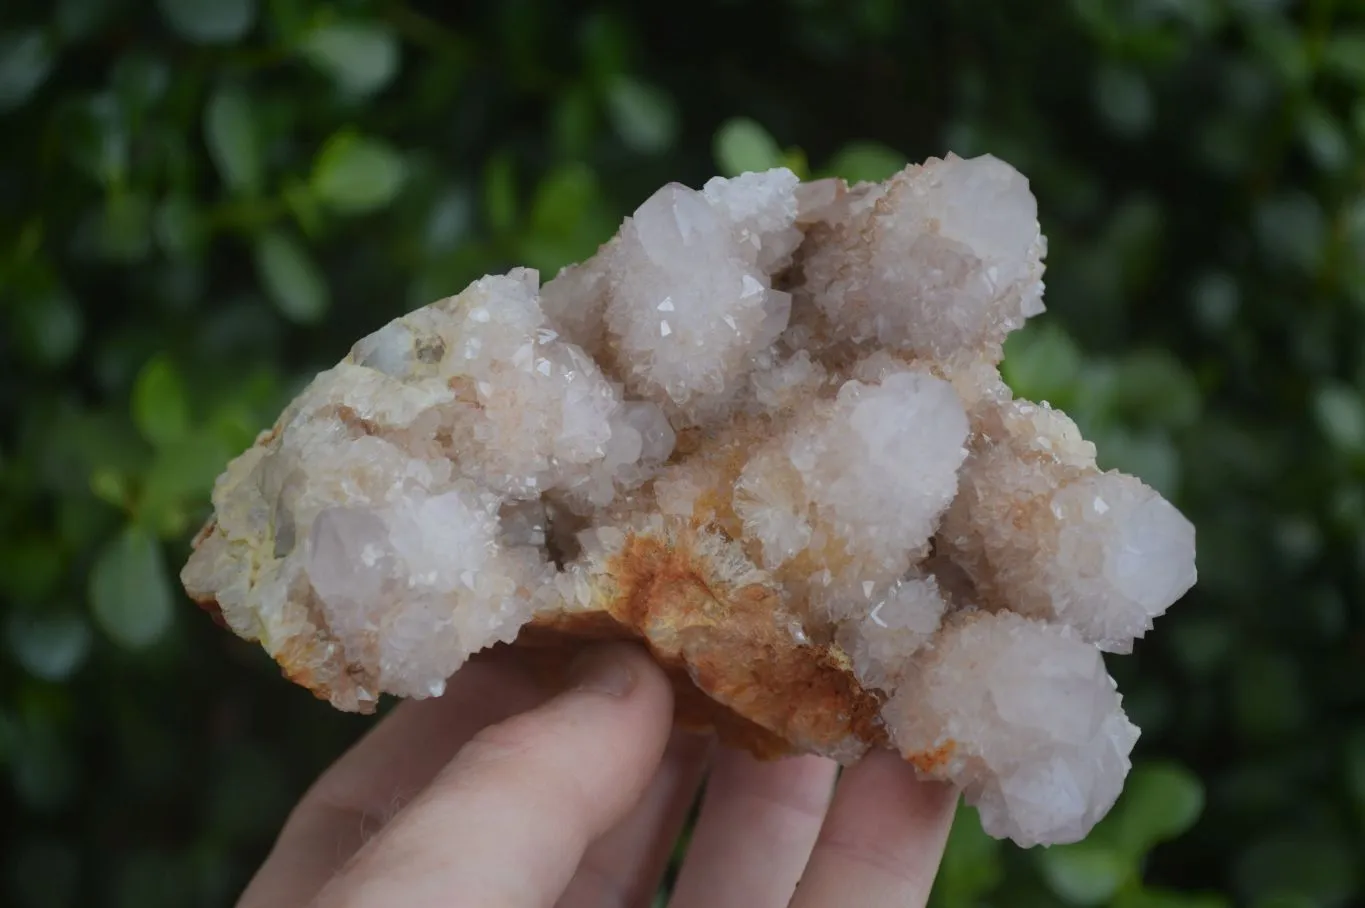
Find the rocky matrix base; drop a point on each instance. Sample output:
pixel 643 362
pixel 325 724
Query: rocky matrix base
pixel 762 430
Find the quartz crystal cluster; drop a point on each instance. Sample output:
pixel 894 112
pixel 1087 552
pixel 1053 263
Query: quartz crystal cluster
pixel 763 431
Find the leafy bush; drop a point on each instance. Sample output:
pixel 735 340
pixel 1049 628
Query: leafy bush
pixel 206 200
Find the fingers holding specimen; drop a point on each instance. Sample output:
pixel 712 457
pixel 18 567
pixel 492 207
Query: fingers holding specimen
pixel 757 824
pixel 383 771
pixel 507 821
pixel 622 868
pixel 883 839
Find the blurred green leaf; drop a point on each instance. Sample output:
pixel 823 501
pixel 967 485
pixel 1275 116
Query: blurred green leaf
pixel 290 20
pixel 125 227
pixel 1299 865
pixel 291 278
pixel 567 220
pixel 794 159
pixel 30 568
pixel 74 443
pixel 644 116
pixel 1282 900
pixel 971 865
pixel 1292 229
pixel 140 80
pixel 500 193
pixel 742 145
pixel 870 162
pixel 303 205
pixel 356 175
pixel 562 197
pixel 209 21
pixel 1299 540
pixel 449 221
pixel 43 774
pixel 1160 801
pixel 1084 873
pixel 177 225
pixel 606 44
pixel 360 57
pixel 50 645
pixel 112 487
pixel 129 594
pixel 1201 644
pixel 1216 299
pixel 179 481
pixel 575 122
pixel 161 408
pixel 1357 118
pixel 1224 144
pixel 233 143
pixel 1042 363
pixel 1282 48
pixel 249 797
pixel 79 19
pixel 1355 768
pixel 178 283
pixel 1324 138
pixel 26 57
pixel 1123 100
pixel 1160 898
pixel 95 137
pixel 1343 54
pixel 48 327
pixel 447 274
pixel 1134 237
pixel 9 738
pixel 1155 388
pixel 1340 412
pixel 1268 696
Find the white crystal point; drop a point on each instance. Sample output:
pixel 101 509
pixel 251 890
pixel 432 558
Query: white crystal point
pixel 762 207
pixel 685 291
pixel 771 500
pixel 896 626
pixel 1042 532
pixel 854 488
pixel 949 258
pixel 1124 555
pixel 414 588
pixel 1023 716
pixel 882 466
pixel 536 411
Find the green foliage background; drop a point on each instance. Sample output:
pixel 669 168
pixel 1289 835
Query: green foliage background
pixel 205 201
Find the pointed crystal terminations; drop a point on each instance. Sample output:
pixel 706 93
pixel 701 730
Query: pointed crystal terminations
pixel 762 430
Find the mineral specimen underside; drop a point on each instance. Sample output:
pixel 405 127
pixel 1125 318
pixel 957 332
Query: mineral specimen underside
pixel 764 431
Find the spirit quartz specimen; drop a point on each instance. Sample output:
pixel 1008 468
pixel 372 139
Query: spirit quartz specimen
pixel 762 430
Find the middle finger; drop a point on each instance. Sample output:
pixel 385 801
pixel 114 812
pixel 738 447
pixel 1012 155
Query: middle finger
pixel 623 867
pixel 758 823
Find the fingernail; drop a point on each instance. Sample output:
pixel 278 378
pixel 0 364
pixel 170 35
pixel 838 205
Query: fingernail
pixel 602 670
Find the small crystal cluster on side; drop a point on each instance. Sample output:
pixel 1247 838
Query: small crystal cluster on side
pixel 763 430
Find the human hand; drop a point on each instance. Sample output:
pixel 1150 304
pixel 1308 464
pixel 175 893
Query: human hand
pixel 494 795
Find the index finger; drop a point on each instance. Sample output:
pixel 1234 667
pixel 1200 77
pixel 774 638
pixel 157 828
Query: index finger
pixel 508 820
pixel 387 768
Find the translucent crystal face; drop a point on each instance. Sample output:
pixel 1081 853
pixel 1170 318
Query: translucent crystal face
pixel 764 430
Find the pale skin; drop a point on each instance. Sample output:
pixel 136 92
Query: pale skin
pixel 499 794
